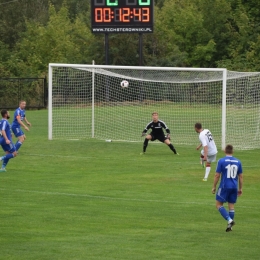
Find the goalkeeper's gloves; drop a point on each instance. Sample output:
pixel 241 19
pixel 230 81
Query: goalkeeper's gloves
pixel 169 136
pixel 143 134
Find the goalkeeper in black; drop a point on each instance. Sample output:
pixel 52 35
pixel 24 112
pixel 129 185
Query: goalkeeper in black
pixel 157 133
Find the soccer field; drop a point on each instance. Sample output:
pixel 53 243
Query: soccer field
pixel 91 199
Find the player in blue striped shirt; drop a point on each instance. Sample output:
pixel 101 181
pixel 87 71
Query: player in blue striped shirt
pixel 6 140
pixel 19 117
pixel 230 170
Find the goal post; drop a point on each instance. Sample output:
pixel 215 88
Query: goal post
pixel 224 109
pixel 87 101
pixel 50 136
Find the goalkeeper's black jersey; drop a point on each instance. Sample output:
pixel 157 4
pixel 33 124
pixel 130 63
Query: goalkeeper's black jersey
pixel 157 128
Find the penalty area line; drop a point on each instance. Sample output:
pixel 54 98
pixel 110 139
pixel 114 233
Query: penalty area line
pixel 111 198
pixel 100 197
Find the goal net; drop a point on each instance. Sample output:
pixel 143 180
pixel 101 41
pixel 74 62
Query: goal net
pixel 87 101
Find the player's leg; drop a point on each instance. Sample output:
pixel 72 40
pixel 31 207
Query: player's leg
pixel 20 141
pixel 223 212
pixel 210 159
pixel 8 156
pixel 167 142
pixel 231 208
pixel 10 153
pixel 232 198
pixel 20 135
pixel 6 160
pixel 202 162
pixel 207 171
pixel 4 164
pixel 146 140
pixel 221 197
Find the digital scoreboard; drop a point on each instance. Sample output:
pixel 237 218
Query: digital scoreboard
pixel 122 16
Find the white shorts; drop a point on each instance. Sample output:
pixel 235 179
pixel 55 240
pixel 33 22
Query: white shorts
pixel 211 158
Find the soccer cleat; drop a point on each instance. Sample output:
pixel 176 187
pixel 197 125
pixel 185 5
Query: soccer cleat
pixel 177 153
pixel 1 158
pixel 142 153
pixel 2 170
pixel 230 225
pixel 229 229
pixel 204 179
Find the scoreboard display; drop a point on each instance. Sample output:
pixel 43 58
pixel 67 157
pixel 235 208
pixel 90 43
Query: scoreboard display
pixel 122 16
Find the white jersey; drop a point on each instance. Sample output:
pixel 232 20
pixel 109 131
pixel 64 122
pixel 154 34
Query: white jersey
pixel 206 139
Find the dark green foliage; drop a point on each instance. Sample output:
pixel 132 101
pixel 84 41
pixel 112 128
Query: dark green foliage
pixel 217 33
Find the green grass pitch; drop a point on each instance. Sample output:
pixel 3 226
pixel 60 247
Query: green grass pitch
pixel 95 200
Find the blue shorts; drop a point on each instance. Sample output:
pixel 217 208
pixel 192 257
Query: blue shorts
pixel 226 195
pixel 17 131
pixel 8 147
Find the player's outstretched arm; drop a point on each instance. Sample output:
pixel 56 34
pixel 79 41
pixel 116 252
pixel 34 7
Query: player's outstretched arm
pixel 146 129
pixel 22 124
pixel 27 122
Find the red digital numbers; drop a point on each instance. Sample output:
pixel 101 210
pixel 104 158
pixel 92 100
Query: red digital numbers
pixel 98 15
pixel 107 15
pixel 137 14
pixel 103 15
pixel 145 15
pixel 125 15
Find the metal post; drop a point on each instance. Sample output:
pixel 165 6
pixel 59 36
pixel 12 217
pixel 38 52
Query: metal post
pixel 140 49
pixel 224 108
pixel 93 102
pixel 107 63
pixel 45 92
pixel 106 49
pixel 50 103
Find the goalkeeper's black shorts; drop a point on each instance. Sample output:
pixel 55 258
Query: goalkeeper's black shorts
pixel 161 137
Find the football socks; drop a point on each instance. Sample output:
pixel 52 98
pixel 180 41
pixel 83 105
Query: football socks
pixel 18 145
pixel 232 213
pixel 172 148
pixel 145 144
pixel 224 213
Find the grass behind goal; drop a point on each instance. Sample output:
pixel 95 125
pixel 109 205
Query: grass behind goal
pixel 95 200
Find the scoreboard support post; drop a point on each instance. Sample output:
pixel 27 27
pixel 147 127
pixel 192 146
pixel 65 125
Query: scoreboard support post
pixel 106 49
pixel 140 49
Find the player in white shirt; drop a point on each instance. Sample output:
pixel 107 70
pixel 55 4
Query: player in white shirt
pixel 209 151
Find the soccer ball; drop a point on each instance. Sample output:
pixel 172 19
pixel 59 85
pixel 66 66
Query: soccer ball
pixel 124 84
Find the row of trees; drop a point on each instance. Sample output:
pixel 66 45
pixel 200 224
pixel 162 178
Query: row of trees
pixel 212 33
